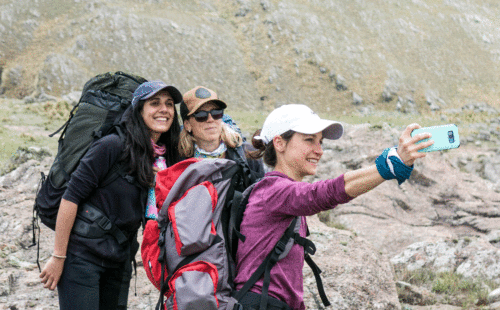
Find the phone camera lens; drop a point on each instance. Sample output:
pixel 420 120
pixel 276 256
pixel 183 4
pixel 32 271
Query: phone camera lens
pixel 451 137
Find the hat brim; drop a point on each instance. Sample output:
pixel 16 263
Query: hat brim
pixel 331 130
pixel 174 92
pixel 220 104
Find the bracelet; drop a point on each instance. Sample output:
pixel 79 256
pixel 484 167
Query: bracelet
pixel 390 166
pixel 382 166
pixel 59 256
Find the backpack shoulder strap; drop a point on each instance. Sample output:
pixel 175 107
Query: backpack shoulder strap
pixel 268 263
pixel 248 176
pixel 237 210
pixel 96 224
pixel 319 283
pixel 280 251
pixel 309 249
pixel 119 168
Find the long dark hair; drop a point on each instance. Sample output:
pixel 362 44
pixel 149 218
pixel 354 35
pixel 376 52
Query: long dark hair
pixel 138 151
pixel 267 151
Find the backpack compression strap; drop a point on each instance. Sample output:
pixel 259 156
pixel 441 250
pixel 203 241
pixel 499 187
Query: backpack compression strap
pixel 99 226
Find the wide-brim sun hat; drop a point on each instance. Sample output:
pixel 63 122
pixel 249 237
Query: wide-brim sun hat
pixel 148 89
pixel 299 118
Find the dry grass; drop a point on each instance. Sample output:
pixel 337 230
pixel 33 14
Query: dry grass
pixel 449 287
pixel 24 125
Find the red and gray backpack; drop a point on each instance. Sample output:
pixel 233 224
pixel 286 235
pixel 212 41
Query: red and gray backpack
pixel 189 251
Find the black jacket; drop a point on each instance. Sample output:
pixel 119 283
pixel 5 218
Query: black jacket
pixel 120 201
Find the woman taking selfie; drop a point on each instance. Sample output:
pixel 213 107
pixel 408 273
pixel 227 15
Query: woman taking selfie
pixel 89 273
pixel 290 142
pixel 205 135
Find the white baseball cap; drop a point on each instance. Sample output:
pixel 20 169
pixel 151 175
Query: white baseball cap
pixel 299 118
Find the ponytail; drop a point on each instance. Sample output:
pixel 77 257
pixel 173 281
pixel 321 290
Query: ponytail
pixel 267 151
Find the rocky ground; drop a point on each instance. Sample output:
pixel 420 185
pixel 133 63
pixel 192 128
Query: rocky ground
pixel 443 218
pixel 359 60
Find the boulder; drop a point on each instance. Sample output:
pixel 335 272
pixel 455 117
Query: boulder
pixel 475 258
pixel 433 100
pixel 356 99
pixel 340 83
pixel 494 296
pixel 406 105
pixel 355 275
pixel 415 295
pixel 12 77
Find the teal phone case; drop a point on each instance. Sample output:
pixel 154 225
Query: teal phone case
pixel 445 137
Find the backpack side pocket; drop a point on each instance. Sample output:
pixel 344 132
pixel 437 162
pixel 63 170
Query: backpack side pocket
pixel 193 287
pixel 150 252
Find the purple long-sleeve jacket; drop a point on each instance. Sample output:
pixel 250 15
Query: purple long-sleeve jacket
pixel 272 205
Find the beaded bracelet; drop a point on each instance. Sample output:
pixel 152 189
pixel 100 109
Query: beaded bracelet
pixel 59 256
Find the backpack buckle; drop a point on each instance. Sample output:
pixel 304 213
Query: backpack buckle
pixel 129 179
pixel 104 223
pixel 280 247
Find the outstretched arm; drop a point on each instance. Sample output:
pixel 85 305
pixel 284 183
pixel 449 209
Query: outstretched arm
pixel 360 181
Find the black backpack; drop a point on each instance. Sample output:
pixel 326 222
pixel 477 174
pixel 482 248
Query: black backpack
pixel 98 113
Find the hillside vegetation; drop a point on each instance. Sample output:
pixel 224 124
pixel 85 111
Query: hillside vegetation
pixel 258 54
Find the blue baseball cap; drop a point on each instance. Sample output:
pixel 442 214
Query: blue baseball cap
pixel 148 89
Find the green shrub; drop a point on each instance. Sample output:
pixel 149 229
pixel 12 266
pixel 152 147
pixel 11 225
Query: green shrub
pixel 449 287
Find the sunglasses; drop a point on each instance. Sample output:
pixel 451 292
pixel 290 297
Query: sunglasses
pixel 202 116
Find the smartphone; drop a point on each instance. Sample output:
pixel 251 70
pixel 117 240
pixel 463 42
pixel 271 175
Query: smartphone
pixel 445 137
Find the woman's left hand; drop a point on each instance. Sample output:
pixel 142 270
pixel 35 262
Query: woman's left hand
pixel 156 170
pixel 51 273
pixel 408 147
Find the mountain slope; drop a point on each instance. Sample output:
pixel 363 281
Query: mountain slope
pixel 258 54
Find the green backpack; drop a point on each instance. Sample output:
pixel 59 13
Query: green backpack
pixel 104 99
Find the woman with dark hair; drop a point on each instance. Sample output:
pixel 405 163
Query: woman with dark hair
pixel 89 273
pixel 141 126
pixel 290 142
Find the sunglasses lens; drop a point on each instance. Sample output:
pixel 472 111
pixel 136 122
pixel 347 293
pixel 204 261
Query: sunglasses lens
pixel 202 116
pixel 217 114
